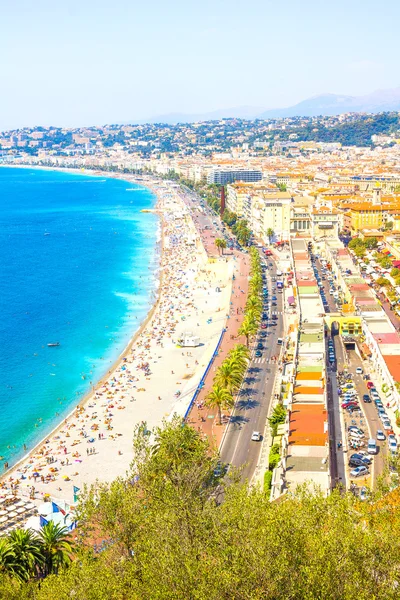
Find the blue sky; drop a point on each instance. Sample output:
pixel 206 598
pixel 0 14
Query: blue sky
pixel 94 61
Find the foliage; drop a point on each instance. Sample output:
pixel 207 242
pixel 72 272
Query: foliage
pixel 221 244
pixel 220 398
pixel 267 480
pixel 278 415
pixel 274 456
pixel 395 272
pixel 382 281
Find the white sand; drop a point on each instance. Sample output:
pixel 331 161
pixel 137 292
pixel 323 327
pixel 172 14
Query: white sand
pixel 188 300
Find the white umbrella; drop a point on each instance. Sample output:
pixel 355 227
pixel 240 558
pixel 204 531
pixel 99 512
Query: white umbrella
pixel 20 510
pixel 3 519
pixel 20 503
pixel 45 509
pixel 12 515
pixel 33 523
pixel 30 506
pixel 2 513
pixel 10 508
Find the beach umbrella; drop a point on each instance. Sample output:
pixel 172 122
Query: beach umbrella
pixel 12 515
pixel 10 508
pixel 33 523
pixel 20 510
pixel 3 512
pixel 45 509
pixel 30 506
pixel 3 519
pixel 20 503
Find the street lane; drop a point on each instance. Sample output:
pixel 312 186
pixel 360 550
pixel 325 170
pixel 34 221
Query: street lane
pixel 252 408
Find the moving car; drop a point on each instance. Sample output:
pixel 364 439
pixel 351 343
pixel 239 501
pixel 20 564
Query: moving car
pixel 359 472
pixel 387 425
pixel 359 371
pixel 372 447
pixel 255 436
pixel 380 435
pixel 367 399
pixel 258 353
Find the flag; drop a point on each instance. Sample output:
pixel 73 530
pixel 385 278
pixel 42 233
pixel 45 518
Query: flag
pixel 76 489
pixel 43 521
pixel 72 526
pixel 57 508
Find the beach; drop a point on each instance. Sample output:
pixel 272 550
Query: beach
pixel 153 379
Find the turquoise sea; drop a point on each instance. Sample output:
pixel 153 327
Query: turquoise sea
pixel 79 266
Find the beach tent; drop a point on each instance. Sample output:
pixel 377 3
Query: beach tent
pixel 33 523
pixel 45 509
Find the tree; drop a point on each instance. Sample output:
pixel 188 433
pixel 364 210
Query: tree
pixel 56 547
pixel 382 281
pixel 229 376
pixel 219 398
pixel 221 244
pixel 248 328
pixel 359 252
pixel 27 551
pixel 270 234
pixel 8 564
pixel 371 243
pixel 395 272
pixel 389 225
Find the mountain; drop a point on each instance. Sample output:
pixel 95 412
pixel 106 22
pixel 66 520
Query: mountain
pixel 324 104
pixel 334 104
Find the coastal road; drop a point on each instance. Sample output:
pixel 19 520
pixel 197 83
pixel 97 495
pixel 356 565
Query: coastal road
pixel 251 410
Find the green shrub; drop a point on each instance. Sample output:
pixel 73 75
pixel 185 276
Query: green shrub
pixel 267 480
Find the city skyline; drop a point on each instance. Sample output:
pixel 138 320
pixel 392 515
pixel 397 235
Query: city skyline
pixel 82 65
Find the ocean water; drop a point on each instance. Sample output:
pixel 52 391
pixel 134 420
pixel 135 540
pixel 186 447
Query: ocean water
pixel 87 284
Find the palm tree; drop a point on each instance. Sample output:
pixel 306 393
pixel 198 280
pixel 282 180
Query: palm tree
pixel 228 376
pixel 8 564
pixel 27 552
pixel 239 356
pixel 270 234
pixel 221 244
pixel 56 547
pixel 219 398
pixel 253 303
pixel 248 328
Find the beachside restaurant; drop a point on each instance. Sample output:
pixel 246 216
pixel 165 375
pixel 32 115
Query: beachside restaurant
pixel 14 512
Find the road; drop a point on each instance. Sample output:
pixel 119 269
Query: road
pixel 252 408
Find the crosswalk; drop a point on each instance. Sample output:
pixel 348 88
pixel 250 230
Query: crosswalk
pixel 259 361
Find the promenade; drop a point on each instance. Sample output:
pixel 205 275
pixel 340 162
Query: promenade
pixel 200 417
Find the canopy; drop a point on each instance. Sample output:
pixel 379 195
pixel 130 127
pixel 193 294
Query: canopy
pixel 290 300
pixel 45 509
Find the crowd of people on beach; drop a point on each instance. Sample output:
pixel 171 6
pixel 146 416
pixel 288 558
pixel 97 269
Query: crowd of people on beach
pixel 57 463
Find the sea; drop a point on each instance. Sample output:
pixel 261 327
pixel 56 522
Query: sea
pixel 79 266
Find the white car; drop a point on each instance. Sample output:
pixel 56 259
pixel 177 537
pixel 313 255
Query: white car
pixel 387 425
pixel 380 435
pixel 393 446
pixel 255 436
pixel 359 371
pixel 372 447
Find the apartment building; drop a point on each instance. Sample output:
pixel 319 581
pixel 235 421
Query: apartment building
pixel 224 176
pixel 325 223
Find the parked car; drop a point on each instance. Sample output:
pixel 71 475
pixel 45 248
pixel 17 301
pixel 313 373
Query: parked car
pixel 349 403
pixel 393 446
pixel 387 425
pixel 359 371
pixel 364 493
pixel 359 472
pixel 370 385
pixel 372 447
pixel 260 346
pixel 362 456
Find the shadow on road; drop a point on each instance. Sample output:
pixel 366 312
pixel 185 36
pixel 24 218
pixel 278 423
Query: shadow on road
pixel 247 404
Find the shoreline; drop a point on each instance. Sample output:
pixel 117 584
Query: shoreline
pixel 186 292
pixel 88 395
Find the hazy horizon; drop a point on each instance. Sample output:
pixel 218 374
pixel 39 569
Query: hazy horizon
pixel 85 64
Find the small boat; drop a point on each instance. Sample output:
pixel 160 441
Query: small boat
pixel 46 233
pixel 51 345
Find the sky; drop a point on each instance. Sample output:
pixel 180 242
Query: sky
pixel 91 62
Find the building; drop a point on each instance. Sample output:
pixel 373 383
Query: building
pixel 222 176
pixel 325 223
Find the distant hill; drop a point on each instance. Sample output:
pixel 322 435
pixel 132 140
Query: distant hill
pixel 324 104
pixel 335 104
